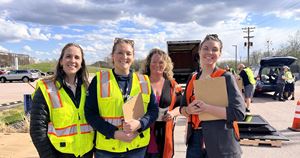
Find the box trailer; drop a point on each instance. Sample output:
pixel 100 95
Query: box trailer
pixel 184 55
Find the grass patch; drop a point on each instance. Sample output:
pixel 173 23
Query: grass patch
pixel 10 116
pixel 44 67
pixel 14 120
pixel 50 66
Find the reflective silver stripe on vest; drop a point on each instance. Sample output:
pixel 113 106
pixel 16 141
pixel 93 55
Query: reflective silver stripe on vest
pixel 60 132
pixel 143 84
pixel 53 94
pixel 104 83
pixel 85 128
pixel 114 121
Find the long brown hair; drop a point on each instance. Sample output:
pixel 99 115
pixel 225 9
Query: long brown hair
pixel 59 73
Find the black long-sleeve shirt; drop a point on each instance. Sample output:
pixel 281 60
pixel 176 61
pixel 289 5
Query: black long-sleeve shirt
pixel 102 126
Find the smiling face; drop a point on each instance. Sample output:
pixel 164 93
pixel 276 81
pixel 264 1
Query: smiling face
pixel 71 61
pixel 123 57
pixel 157 65
pixel 210 53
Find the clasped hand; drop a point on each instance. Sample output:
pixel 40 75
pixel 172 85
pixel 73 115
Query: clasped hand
pixel 129 131
pixel 196 107
pixel 168 116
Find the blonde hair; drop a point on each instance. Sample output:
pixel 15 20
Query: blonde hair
pixel 168 71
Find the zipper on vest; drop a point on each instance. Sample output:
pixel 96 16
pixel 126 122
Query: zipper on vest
pixel 78 116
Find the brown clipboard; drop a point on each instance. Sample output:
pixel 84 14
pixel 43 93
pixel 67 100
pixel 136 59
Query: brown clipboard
pixel 134 108
pixel 212 91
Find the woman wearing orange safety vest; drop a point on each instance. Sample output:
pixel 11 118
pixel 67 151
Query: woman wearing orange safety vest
pixel 58 128
pixel 108 92
pixel 218 138
pixel 158 66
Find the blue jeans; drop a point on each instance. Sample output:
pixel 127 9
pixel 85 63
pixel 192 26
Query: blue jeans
pixel 136 153
pixel 195 145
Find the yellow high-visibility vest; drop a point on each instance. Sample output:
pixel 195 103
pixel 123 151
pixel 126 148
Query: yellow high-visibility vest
pixel 250 75
pixel 110 102
pixel 68 130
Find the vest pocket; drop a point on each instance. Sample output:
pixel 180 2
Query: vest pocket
pixel 61 116
pixel 64 145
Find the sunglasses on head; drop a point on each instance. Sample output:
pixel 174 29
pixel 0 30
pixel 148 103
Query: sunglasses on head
pixel 212 35
pixel 123 40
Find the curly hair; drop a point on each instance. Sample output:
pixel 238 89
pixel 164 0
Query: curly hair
pixel 59 73
pixel 168 71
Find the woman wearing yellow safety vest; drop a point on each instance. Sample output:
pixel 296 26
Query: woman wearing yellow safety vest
pixel 108 91
pixel 214 138
pixel 58 128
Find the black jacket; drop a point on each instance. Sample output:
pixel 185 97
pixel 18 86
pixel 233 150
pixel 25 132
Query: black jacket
pixel 39 119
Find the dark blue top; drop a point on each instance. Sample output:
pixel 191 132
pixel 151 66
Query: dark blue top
pixel 105 128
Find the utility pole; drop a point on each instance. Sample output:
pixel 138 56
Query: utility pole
pixel 269 42
pixel 235 57
pixel 248 43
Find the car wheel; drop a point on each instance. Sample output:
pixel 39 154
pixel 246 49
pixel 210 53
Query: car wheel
pixel 25 79
pixel 2 80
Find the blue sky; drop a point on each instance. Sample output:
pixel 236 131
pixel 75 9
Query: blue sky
pixel 40 28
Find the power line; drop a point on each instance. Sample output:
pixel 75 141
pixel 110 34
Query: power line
pixel 248 43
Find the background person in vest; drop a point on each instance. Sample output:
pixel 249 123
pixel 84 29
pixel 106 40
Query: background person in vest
pixel 218 136
pixel 158 66
pixel 108 91
pixel 280 83
pixel 249 83
pixel 229 69
pixel 58 128
pixel 289 87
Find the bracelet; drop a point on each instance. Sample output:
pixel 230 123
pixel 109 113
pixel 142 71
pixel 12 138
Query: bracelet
pixel 186 111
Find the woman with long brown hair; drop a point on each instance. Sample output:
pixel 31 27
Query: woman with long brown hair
pixel 58 128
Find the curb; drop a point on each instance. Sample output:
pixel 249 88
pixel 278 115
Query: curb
pixel 10 103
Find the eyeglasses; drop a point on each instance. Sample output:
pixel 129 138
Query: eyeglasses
pixel 124 40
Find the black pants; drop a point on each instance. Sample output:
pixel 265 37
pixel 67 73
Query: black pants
pixel 279 90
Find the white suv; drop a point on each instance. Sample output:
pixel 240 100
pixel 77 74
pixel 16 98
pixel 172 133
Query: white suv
pixel 19 75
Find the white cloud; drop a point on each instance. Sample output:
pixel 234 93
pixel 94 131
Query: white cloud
pixel 94 24
pixel 27 48
pixel 11 31
pixel 57 37
pixel 143 20
pixel 3 49
pixel 78 30
pixel 37 35
pixel 5 1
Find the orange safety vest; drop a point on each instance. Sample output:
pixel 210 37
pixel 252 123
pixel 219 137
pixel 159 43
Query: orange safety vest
pixel 194 119
pixel 169 142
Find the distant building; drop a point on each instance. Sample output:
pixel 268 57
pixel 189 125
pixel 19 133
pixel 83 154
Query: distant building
pixel 8 59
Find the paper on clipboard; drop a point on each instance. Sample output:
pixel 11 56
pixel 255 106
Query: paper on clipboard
pixel 134 108
pixel 161 113
pixel 212 91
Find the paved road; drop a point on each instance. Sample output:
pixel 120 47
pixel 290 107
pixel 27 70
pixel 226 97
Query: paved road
pixel 10 92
